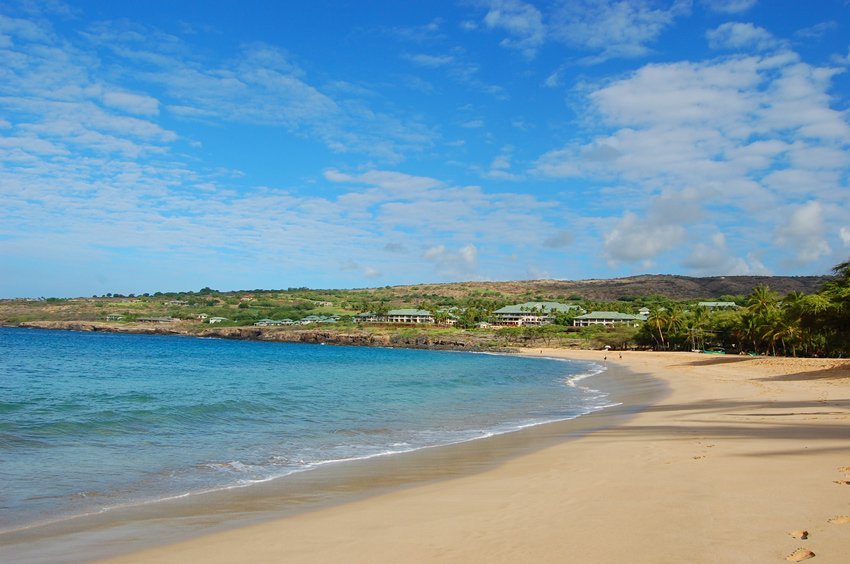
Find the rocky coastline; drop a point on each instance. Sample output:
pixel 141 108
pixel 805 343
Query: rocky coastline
pixel 348 337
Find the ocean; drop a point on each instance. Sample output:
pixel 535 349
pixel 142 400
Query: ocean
pixel 91 422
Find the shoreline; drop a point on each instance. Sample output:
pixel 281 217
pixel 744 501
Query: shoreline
pixel 351 336
pixel 742 454
pixel 736 455
pixel 121 529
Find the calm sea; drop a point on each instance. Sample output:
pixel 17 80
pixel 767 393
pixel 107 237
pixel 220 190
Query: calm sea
pixel 93 421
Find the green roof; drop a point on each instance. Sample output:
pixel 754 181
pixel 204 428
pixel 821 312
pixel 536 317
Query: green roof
pixel 409 312
pixel 615 315
pixel 529 307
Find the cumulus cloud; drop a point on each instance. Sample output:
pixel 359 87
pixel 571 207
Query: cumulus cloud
pixel 844 234
pixel 803 233
pixel 746 132
pixel 634 239
pixel 459 264
pixel 735 35
pixel 714 258
pixel 661 229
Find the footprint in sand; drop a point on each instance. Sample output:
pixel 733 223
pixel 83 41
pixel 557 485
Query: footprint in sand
pixel 840 520
pixel 842 482
pixel 801 534
pixel 845 469
pixel 799 555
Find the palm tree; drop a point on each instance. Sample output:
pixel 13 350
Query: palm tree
pixel 761 301
pixel 675 321
pixel 658 321
pixel 694 326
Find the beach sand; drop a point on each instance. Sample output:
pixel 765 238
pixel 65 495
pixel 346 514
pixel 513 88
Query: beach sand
pixel 734 464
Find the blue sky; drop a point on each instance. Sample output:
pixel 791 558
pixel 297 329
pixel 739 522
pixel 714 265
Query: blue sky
pixel 158 146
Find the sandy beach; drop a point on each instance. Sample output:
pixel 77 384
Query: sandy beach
pixel 744 460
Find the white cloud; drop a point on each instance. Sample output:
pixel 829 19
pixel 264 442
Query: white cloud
pixel 844 234
pixel 661 229
pixel 818 30
pixel 461 264
pixel 431 61
pixel 261 86
pixel 746 133
pixel 729 6
pixel 714 258
pixel 500 167
pixel 633 239
pixel 132 103
pixel 842 59
pixel 803 233
pixel 613 28
pixel 735 35
pixel 522 21
pixel 731 127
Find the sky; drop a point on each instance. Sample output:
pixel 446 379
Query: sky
pixel 172 145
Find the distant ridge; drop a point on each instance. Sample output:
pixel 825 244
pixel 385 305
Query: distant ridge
pixel 671 286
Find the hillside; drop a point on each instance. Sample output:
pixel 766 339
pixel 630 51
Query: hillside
pixel 669 286
pixel 246 307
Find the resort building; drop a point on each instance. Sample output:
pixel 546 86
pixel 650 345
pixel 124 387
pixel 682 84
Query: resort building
pixel 531 313
pixel 397 317
pixel 212 320
pixel 718 305
pixel 405 316
pixel 609 318
pixel 319 319
pixel 156 319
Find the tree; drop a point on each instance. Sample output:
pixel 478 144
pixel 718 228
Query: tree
pixel 657 322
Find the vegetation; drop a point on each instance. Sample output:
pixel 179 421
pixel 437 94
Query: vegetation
pixel 811 318
pixel 796 324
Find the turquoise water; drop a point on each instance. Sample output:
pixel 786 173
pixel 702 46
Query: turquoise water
pixel 93 421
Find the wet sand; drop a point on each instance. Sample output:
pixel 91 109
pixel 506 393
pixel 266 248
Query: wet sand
pixel 122 530
pixel 733 463
pixel 736 463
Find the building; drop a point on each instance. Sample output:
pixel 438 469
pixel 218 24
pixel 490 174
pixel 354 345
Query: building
pixel 397 317
pixel 319 319
pixel 531 313
pixel 212 320
pixel 406 316
pixel 718 305
pixel 156 319
pixel 114 317
pixel 609 318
